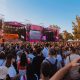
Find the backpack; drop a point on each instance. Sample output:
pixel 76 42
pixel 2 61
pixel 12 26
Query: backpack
pixel 48 69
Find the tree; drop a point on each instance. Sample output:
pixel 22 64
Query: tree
pixel 67 35
pixel 61 37
pixel 76 28
pixel 70 36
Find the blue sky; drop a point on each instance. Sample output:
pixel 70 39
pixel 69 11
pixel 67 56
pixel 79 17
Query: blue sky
pixel 46 12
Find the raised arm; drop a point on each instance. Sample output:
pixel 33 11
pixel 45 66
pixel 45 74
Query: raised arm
pixel 60 74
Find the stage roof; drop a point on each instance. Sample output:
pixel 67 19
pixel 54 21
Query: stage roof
pixel 14 24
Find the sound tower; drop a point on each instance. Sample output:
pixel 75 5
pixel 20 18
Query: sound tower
pixel 49 36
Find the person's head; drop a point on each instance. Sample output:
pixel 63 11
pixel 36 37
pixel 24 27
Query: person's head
pixel 2 45
pixel 73 50
pixel 52 52
pixel 45 71
pixel 30 50
pixel 46 45
pixel 56 48
pixel 9 60
pixel 38 51
pixel 23 59
pixel 2 55
pixel 66 48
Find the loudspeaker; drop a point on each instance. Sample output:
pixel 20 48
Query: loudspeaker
pixel 49 36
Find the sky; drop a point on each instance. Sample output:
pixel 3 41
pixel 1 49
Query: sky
pixel 42 12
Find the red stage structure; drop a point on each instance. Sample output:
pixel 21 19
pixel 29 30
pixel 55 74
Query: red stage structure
pixel 39 33
pixel 34 32
pixel 12 30
pixel 30 32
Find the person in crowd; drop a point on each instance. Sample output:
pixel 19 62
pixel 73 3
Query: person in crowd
pixel 45 51
pixel 13 51
pixel 11 70
pixel 66 51
pixel 22 66
pixel 2 58
pixel 36 63
pixel 30 54
pixel 7 49
pixel 60 53
pixel 74 72
pixel 17 47
pixel 1 47
pixel 59 75
pixel 3 73
pixel 59 57
pixel 19 53
pixel 50 65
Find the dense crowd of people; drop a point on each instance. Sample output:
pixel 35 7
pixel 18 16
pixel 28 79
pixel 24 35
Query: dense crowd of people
pixel 39 61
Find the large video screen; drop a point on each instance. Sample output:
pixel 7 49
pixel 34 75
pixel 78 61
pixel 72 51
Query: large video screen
pixel 35 35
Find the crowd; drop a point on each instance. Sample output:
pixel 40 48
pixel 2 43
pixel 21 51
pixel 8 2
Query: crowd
pixel 39 61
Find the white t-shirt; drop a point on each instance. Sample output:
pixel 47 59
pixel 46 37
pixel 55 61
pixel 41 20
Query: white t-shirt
pixel 3 72
pixel 72 57
pixel 59 58
pixel 18 58
pixel 66 53
pixel 74 72
pixel 45 52
pixel 11 71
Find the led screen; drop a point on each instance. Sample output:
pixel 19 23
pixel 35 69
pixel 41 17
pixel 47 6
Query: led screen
pixel 36 35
